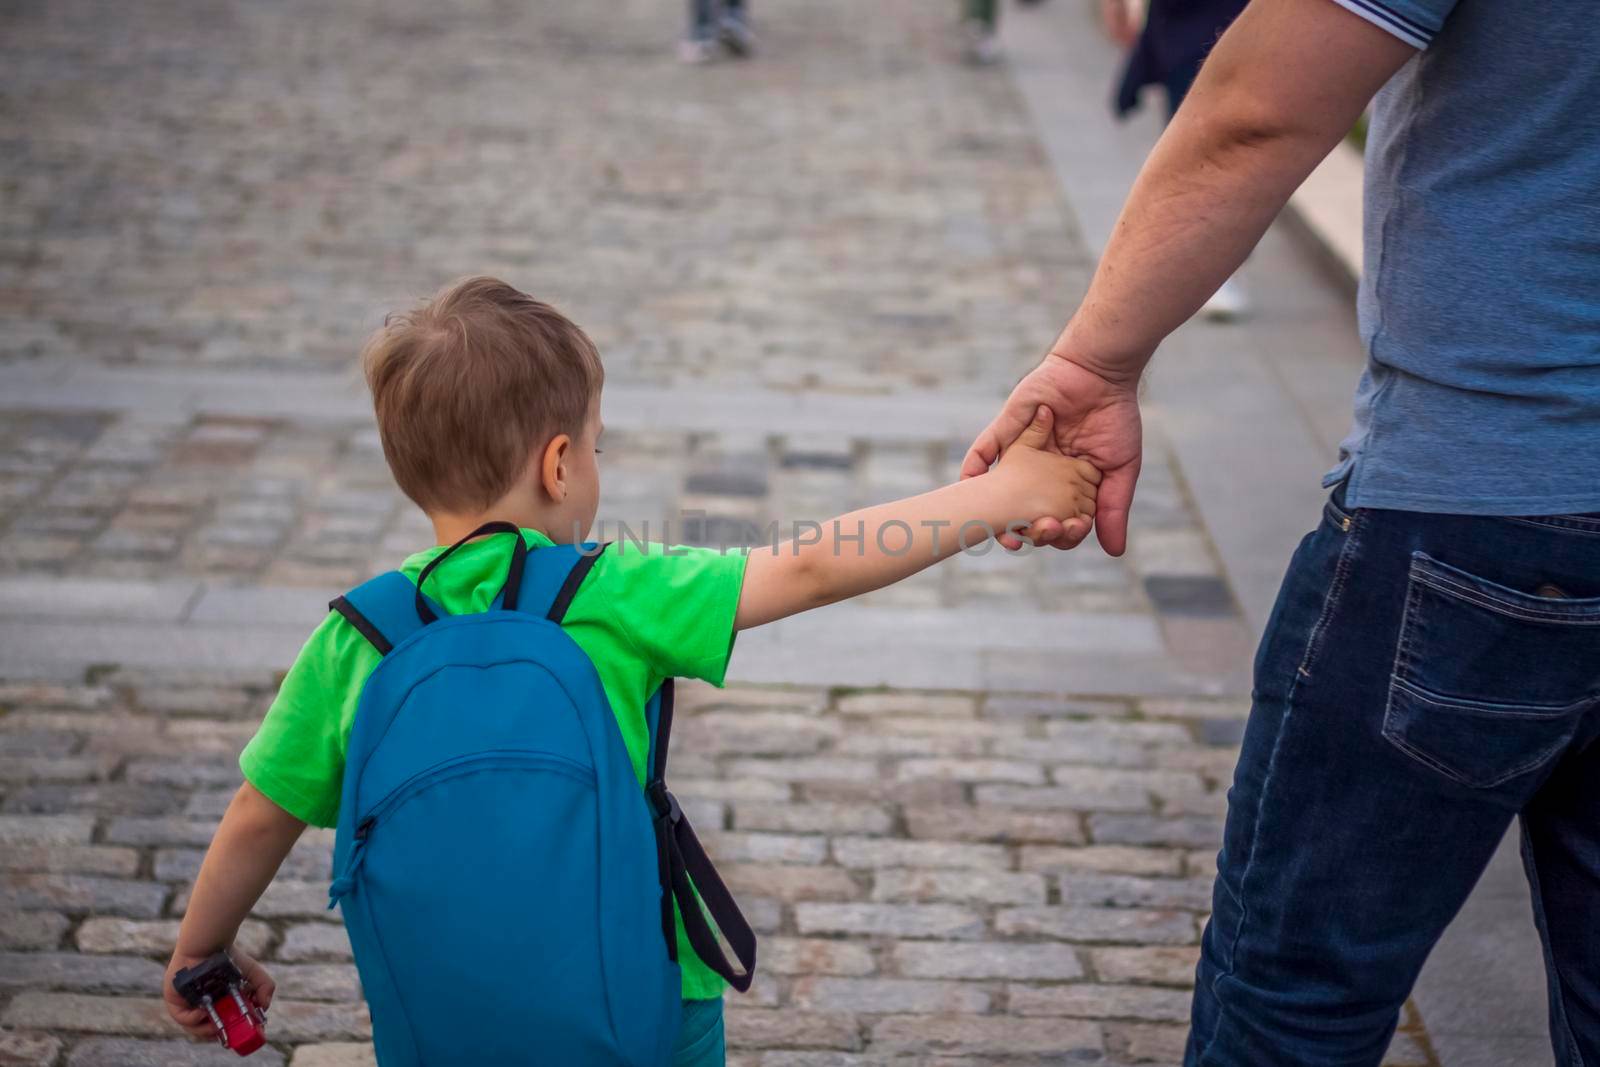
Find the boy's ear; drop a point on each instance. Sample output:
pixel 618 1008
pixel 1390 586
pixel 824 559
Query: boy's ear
pixel 553 467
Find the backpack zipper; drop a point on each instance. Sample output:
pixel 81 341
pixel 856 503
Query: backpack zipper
pixel 432 776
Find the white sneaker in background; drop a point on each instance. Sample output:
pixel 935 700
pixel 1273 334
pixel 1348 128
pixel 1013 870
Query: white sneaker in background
pixel 1227 304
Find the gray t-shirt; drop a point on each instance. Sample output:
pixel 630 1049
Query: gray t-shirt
pixel 1480 301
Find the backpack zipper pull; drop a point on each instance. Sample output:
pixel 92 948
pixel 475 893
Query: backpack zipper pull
pixel 343 884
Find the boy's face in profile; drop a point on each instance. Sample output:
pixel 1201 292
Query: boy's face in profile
pixel 575 514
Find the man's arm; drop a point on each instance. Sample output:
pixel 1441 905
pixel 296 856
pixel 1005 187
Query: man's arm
pixel 1279 90
pixel 878 546
pixel 1282 87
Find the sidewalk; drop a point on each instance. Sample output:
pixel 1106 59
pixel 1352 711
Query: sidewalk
pixel 974 817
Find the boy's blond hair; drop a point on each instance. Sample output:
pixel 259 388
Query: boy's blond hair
pixel 469 383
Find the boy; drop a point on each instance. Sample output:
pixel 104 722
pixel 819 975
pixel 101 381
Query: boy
pixel 488 406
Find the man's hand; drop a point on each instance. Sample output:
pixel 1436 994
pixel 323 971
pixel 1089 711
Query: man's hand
pixel 1095 418
pixel 258 986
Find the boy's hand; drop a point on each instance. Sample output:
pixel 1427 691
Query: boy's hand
pixel 258 986
pixel 1044 484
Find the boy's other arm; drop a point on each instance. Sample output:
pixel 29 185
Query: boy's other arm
pixel 249 846
pixel 862 551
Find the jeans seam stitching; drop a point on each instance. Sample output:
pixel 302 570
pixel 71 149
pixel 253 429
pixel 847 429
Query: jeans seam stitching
pixel 1405 661
pixel 1336 588
pixel 1484 600
pixel 1329 605
pixel 1425 759
pixel 1455 776
pixel 1401 664
pixel 1544 713
pixel 1590 528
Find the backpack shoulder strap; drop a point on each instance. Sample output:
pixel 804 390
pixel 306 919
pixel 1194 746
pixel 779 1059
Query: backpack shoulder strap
pixel 391 607
pixel 686 872
pixel 383 610
pixel 551 577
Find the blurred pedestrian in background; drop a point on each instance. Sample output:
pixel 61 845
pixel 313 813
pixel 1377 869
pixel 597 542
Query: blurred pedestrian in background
pixel 1176 37
pixel 713 23
pixel 981 23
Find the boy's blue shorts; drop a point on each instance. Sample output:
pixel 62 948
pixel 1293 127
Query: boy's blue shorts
pixel 701 1042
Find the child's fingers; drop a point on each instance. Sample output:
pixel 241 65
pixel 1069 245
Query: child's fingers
pixel 262 994
pixel 1037 435
pixel 182 1012
pixel 1088 473
pixel 196 1023
pixel 202 1032
pixel 1043 531
pixel 1073 533
pixel 1037 533
pixel 257 980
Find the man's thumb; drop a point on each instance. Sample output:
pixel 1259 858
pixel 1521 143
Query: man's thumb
pixel 1037 435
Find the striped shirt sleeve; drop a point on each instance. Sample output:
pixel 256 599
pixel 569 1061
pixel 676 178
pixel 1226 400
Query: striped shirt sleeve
pixel 1413 21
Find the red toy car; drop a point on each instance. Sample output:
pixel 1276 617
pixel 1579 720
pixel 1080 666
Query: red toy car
pixel 216 985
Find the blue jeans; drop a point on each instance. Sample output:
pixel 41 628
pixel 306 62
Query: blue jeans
pixel 701 1042
pixel 1423 680
pixel 703 15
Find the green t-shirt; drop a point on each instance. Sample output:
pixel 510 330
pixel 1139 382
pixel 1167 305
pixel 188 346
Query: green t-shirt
pixel 642 615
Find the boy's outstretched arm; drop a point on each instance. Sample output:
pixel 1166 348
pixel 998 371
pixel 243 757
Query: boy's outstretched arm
pixel 878 546
pixel 249 846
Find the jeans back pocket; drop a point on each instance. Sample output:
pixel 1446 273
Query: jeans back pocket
pixel 1489 683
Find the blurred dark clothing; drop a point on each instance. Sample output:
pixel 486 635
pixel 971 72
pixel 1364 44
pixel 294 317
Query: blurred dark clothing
pixel 703 15
pixel 1177 36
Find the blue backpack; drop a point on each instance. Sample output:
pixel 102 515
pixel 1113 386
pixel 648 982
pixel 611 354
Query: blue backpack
pixel 506 886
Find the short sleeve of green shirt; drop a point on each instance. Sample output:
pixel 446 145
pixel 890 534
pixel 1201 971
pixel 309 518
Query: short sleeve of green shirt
pixel 296 758
pixel 675 605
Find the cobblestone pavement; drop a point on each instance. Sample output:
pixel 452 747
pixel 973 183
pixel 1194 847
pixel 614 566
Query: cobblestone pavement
pixel 936 876
pixel 811 276
pixel 247 186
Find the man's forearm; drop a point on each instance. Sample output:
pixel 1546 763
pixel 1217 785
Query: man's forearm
pixel 1278 92
pixel 1199 206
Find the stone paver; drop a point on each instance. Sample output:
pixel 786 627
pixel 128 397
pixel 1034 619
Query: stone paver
pixel 811 277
